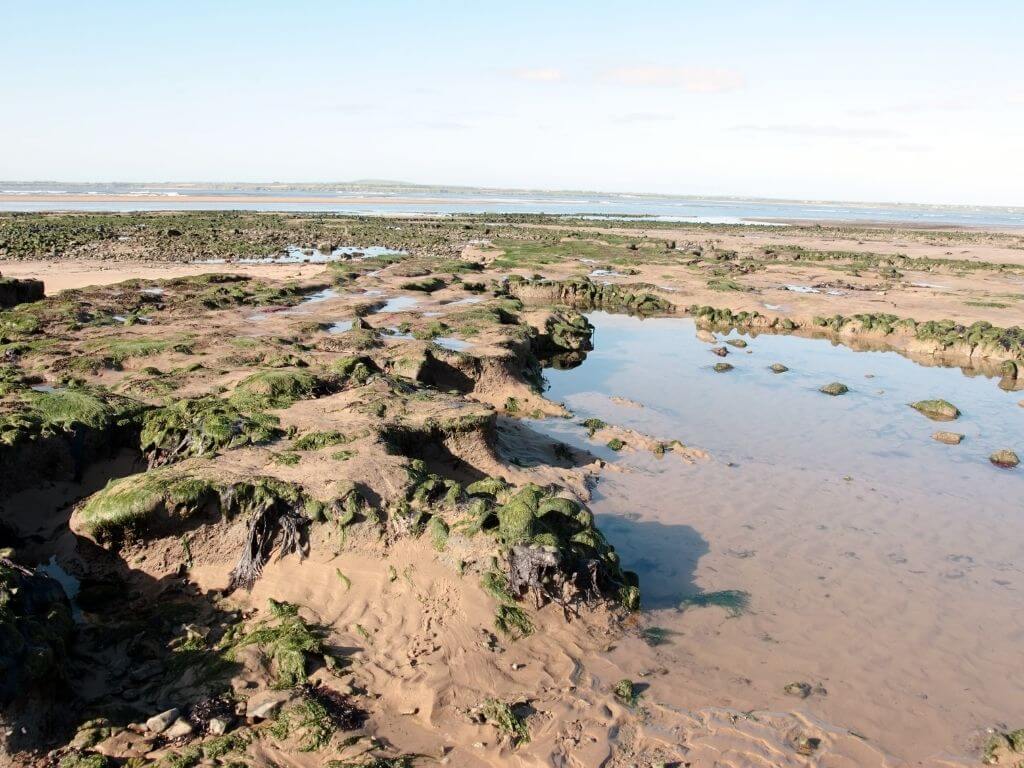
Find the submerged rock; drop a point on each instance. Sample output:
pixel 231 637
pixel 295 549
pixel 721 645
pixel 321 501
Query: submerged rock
pixel 949 438
pixel 835 388
pixel 778 368
pixel 720 351
pixel 938 410
pixel 738 343
pixel 722 367
pixel 1005 458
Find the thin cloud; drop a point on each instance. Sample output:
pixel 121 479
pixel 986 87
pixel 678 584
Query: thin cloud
pixel 539 74
pixel 915 107
pixel 822 131
pixel 643 117
pixel 689 79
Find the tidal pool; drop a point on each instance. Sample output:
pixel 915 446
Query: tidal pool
pixel 825 540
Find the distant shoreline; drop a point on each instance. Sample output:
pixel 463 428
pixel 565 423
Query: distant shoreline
pixel 115 198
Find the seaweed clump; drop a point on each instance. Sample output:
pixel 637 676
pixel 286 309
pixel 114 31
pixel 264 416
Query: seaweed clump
pixel 289 642
pixel 201 427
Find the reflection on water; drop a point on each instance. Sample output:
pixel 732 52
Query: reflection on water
pixel 452 343
pixel 398 304
pixel 68 583
pixel 878 561
pixel 293 254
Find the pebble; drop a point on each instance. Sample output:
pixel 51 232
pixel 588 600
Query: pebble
pixel 180 727
pixel 160 723
pixel 217 726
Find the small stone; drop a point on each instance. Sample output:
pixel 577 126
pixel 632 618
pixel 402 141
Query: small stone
pixel 738 343
pixel 778 368
pixel 1005 458
pixel 720 351
pixel 949 438
pixel 803 690
pixel 160 723
pixel 409 711
pixel 516 666
pixel 722 367
pixel 180 727
pixel 217 726
pixel 835 389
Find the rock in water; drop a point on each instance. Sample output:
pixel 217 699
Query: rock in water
pixel 738 343
pixel 1005 458
pixel 835 388
pixel 720 351
pixel 949 438
pixel 938 410
pixel 778 368
pixel 722 367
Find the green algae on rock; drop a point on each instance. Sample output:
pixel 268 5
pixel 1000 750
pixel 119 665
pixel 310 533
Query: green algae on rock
pixel 835 389
pixel 276 389
pixel 201 427
pixel 937 410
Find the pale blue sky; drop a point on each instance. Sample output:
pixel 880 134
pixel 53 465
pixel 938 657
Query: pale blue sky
pixel 908 101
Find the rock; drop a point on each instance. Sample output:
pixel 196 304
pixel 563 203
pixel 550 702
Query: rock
pixel 720 351
pixel 722 367
pixel 778 368
pixel 835 389
pixel 938 410
pixel 217 726
pixel 265 704
pixel 706 336
pixel 803 690
pixel 738 343
pixel 1005 458
pixel 160 723
pixel 949 438
pixel 180 727
pixel 146 670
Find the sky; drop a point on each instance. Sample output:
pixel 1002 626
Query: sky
pixel 878 101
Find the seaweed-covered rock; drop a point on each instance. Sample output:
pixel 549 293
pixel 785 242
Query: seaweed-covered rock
pixel 937 410
pixel 834 389
pixel 55 435
pixel 585 564
pixel 778 368
pixel 567 337
pixel 35 629
pixel 1005 458
pixel 201 427
pixel 723 367
pixel 583 293
pixel 149 500
pixel 276 389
